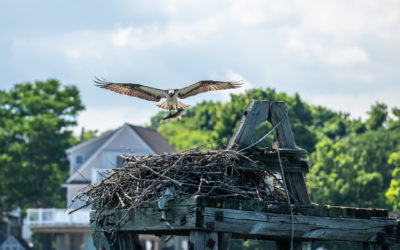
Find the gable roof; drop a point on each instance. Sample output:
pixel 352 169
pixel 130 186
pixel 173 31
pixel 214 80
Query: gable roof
pixel 150 137
pixel 154 139
pixel 12 238
pixel 104 136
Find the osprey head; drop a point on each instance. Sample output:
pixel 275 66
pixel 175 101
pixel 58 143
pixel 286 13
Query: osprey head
pixel 171 92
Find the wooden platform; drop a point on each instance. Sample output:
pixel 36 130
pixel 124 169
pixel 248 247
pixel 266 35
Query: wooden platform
pixel 211 222
pixel 256 220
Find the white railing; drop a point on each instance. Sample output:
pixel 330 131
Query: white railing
pixel 56 216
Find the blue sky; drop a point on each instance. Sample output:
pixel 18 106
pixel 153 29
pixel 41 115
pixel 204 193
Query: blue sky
pixel 340 54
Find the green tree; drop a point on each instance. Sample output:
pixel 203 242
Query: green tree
pixel 377 116
pixel 354 170
pixel 395 123
pixel 35 122
pixel 393 193
pixel 340 176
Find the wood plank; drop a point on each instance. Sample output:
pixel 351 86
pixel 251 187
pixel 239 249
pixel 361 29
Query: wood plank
pixel 150 219
pixel 375 246
pixel 127 241
pixel 297 245
pixel 223 240
pixel 251 224
pixel 253 219
pixel 279 113
pixel 200 240
pixel 267 159
pixel 255 113
pixel 295 181
pixel 273 165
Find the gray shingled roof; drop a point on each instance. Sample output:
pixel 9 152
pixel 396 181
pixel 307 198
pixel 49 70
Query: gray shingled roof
pixel 154 139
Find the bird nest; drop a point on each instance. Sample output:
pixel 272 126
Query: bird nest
pixel 191 173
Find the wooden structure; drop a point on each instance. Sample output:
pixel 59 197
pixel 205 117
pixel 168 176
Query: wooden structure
pixel 211 222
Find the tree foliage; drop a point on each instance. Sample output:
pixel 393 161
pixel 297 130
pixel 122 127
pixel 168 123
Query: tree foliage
pixel 393 193
pixel 35 122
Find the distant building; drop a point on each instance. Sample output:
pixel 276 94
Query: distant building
pixel 14 243
pixel 10 225
pixel 87 161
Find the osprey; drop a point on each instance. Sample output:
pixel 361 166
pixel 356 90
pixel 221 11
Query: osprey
pixel 171 95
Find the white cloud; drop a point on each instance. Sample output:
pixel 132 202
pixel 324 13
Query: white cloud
pixel 359 103
pixel 317 48
pixel 233 76
pixel 348 56
pixel 331 31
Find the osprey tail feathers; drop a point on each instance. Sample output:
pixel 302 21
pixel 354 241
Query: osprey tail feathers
pixel 164 105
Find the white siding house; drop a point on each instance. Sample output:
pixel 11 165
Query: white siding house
pixel 87 161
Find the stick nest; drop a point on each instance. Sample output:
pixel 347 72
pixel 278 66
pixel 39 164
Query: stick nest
pixel 191 173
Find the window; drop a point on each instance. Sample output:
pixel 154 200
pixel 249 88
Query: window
pixel 79 160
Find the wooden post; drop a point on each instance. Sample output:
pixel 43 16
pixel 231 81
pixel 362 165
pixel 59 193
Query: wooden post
pixel 295 181
pixel 124 240
pixel 127 241
pixel 223 240
pixel 200 240
pixel 256 113
pixel 375 246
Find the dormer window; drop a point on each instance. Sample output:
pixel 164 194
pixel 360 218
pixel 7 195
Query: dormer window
pixel 79 160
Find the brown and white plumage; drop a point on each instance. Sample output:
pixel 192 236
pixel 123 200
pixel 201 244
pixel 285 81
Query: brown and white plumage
pixel 205 86
pixel 171 95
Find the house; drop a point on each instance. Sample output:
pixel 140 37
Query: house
pixel 14 243
pixel 88 160
pixel 10 224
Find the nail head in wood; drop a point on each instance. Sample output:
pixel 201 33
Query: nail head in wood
pixel 210 226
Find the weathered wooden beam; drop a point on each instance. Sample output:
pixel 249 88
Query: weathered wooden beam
pixel 201 240
pixel 223 240
pixel 254 219
pixel 127 241
pixel 255 113
pixel 297 245
pixel 273 165
pixel 251 224
pixel 293 160
pixel 375 246
pixel 294 181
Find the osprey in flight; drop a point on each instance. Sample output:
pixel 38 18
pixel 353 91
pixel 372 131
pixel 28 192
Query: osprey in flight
pixel 172 95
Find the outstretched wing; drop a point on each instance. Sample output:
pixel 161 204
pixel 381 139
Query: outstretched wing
pixel 132 89
pixel 207 85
